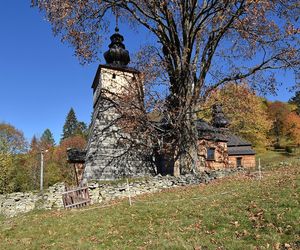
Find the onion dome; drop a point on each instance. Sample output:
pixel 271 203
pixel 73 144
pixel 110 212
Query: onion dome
pixel 117 55
pixel 219 120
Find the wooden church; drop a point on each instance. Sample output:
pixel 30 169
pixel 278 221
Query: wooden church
pixel 103 158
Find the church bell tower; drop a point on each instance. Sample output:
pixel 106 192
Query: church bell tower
pixel 106 150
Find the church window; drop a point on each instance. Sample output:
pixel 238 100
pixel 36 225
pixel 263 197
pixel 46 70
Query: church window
pixel 239 161
pixel 211 154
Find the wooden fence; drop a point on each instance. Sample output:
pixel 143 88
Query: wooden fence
pixel 76 198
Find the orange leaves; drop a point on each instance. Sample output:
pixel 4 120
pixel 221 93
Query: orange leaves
pixel 286 124
pixel 76 141
pixel 292 127
pixel 245 111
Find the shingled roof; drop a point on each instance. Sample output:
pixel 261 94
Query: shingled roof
pixel 241 150
pixel 209 132
pixel 234 140
pixel 76 155
pixel 236 145
pixel 239 146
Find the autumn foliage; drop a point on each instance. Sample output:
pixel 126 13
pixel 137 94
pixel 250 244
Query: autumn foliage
pixel 291 128
pixel 202 45
pixel 20 161
pixel 245 110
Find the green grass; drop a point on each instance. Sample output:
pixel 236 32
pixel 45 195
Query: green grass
pixel 233 213
pixel 272 158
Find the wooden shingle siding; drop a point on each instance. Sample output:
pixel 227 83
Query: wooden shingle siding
pixel 248 161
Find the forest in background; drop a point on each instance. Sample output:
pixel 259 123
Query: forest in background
pixel 20 160
pixel 267 125
pixel 264 123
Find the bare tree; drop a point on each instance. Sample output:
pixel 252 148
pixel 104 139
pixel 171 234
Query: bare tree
pixel 202 45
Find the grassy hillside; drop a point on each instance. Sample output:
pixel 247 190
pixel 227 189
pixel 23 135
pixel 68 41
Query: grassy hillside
pixel 235 213
pixel 273 158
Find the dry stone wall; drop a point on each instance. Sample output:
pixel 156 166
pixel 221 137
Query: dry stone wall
pixel 16 203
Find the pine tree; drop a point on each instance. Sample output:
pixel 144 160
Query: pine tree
pixel 82 130
pixel 34 144
pixel 296 100
pixel 70 126
pixel 47 138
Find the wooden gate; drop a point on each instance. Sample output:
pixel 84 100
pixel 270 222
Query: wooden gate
pixel 76 198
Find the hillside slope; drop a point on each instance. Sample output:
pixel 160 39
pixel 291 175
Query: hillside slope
pixel 239 212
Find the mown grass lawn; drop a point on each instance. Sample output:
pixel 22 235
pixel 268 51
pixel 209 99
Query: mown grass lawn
pixel 234 213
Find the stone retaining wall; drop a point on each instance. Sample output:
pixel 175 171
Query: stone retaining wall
pixel 16 203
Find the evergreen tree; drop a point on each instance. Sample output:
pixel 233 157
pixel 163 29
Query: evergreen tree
pixel 70 126
pixel 34 144
pixel 296 100
pixel 47 138
pixel 82 130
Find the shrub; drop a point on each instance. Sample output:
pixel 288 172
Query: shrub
pixel 289 149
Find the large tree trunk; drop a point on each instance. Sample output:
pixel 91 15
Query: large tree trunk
pixel 184 135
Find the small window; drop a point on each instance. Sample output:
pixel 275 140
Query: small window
pixel 114 76
pixel 239 161
pixel 211 154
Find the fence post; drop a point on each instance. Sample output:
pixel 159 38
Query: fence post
pixel 259 169
pixel 128 190
pixel 42 171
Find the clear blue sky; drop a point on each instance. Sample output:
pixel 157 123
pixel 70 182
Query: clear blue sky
pixel 40 78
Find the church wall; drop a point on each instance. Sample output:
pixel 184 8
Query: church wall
pixel 116 81
pixel 248 161
pixel 110 82
pixel 108 154
pixel 220 160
